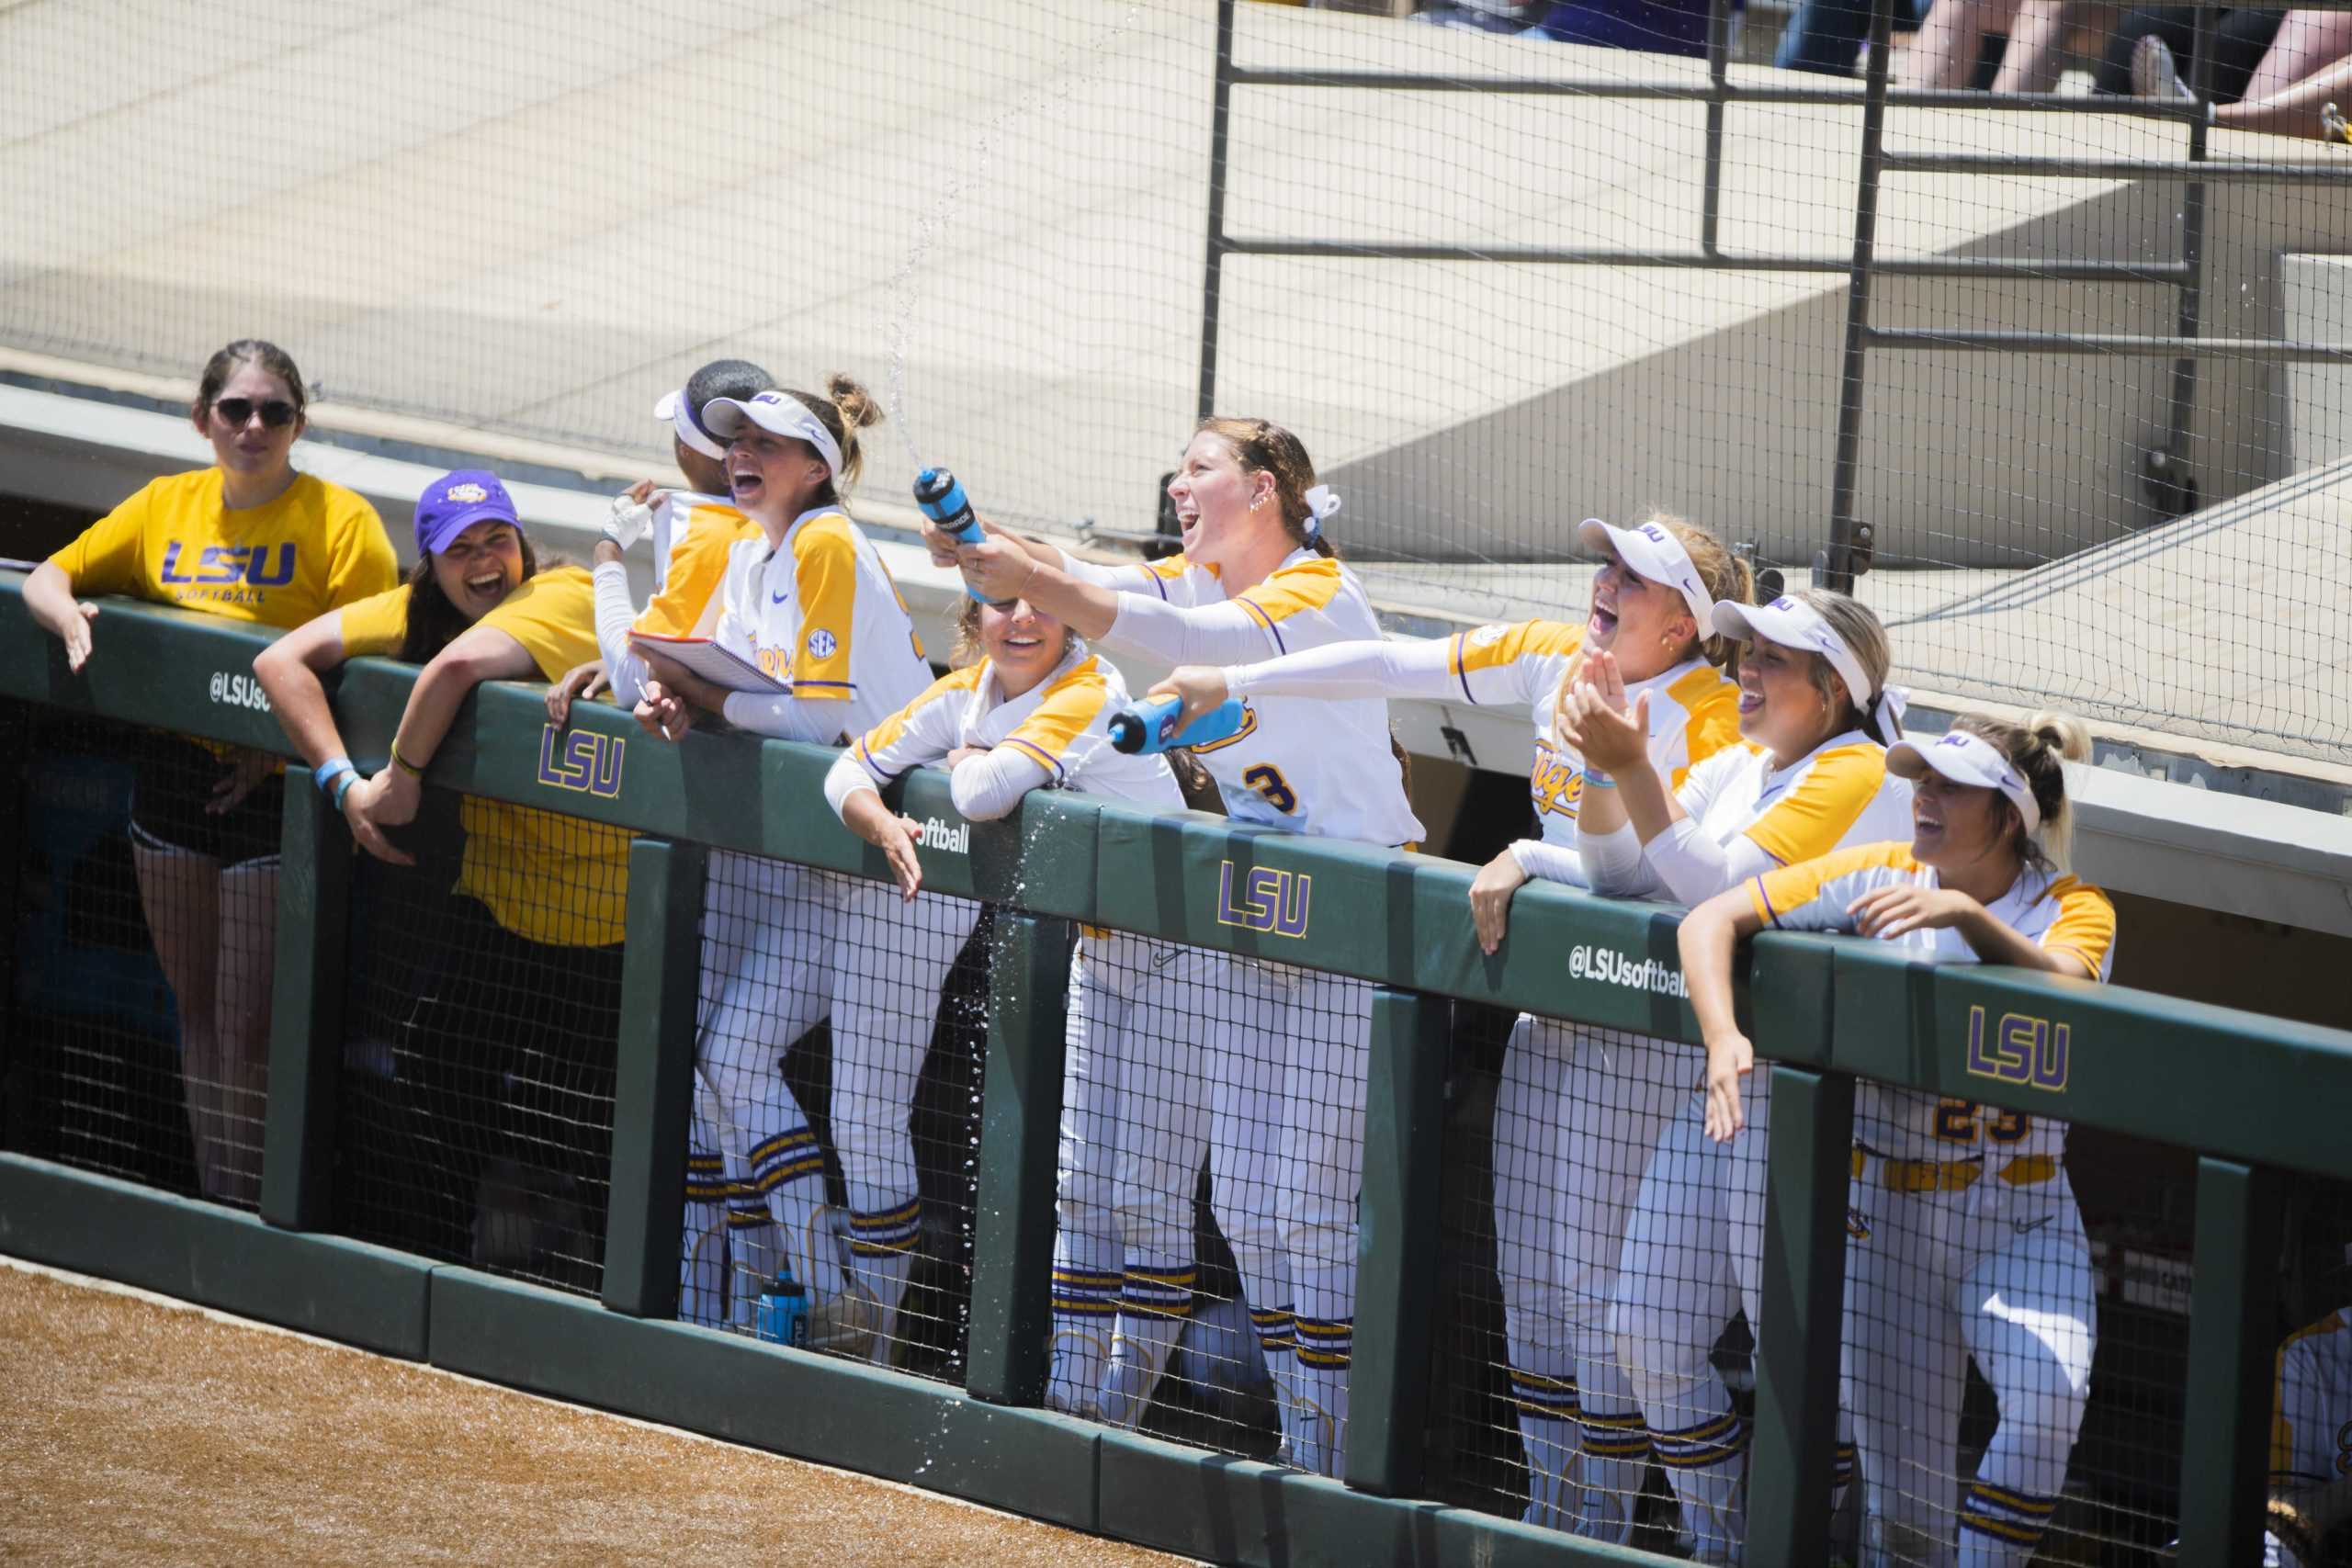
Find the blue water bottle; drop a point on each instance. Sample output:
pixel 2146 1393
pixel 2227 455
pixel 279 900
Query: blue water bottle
pixel 942 501
pixel 1151 725
pixel 783 1316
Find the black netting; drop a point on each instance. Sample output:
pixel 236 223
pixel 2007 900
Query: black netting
pixel 478 1090
pixel 146 918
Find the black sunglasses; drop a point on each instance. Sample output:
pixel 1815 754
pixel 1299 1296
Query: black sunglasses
pixel 276 414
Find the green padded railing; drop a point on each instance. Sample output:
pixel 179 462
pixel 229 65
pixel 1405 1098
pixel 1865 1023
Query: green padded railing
pixel 2253 1095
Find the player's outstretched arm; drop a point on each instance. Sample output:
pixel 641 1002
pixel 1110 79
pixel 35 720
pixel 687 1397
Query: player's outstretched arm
pixel 1709 936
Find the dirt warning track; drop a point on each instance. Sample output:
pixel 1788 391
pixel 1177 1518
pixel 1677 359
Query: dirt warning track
pixel 138 1431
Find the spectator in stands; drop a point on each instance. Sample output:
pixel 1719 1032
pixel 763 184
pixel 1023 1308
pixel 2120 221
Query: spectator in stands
pixel 1287 1062
pixel 1966 1238
pixel 2307 68
pixel 1654 26
pixel 1578 1109
pixel 809 612
pixel 511 1040
pixel 249 539
pixel 2238 39
pixel 1950 49
pixel 1826 35
pixel 1816 712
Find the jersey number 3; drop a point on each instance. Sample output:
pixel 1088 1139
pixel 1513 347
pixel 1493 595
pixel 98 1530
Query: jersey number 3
pixel 1267 781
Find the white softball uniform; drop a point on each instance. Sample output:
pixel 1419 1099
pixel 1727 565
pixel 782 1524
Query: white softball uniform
pixel 1694 1242
pixel 1965 1241
pixel 760 988
pixel 1287 1053
pixel 2311 1429
pixel 820 613
pixel 893 957
pixel 1577 1108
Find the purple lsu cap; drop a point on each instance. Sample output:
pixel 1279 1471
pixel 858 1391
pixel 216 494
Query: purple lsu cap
pixel 454 502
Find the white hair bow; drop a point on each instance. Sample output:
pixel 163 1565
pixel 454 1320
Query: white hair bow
pixel 1321 502
pixel 1889 710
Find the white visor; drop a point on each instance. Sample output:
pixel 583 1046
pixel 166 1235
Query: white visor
pixel 1793 622
pixel 1653 553
pixel 780 413
pixel 680 414
pixel 1966 759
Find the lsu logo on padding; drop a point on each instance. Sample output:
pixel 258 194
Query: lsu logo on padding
pixel 1270 900
pixel 582 761
pixel 2020 1049
pixel 219 565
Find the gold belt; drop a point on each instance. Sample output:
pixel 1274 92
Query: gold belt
pixel 1951 1176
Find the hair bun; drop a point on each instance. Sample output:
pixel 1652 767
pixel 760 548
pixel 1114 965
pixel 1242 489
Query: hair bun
pixel 848 394
pixel 2062 733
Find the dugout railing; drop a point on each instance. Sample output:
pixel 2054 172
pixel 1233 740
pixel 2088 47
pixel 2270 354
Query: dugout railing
pixel 2256 1097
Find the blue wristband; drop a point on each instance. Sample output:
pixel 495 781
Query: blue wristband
pixel 333 768
pixel 343 783
pixel 1596 780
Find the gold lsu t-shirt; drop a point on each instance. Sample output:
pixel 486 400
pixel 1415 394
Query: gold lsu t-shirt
pixel 551 879
pixel 314 549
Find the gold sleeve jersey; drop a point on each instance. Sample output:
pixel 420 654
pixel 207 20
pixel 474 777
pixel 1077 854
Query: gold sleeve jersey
pixel 315 548
pixel 821 613
pixel 1302 765
pixel 1063 723
pixel 692 535
pixel 2311 1419
pixel 1837 793
pixel 2063 914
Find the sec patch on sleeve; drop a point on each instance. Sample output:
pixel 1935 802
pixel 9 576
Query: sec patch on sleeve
pixel 821 644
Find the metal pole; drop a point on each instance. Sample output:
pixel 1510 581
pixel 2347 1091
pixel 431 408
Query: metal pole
pixel 2171 487
pixel 1212 276
pixel 1840 574
pixel 1718 66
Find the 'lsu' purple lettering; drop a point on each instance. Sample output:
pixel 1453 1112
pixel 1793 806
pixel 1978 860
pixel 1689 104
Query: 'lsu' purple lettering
pixel 586 760
pixel 220 564
pixel 1273 901
pixel 2020 1049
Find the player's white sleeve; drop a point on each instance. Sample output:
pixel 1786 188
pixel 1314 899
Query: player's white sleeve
pixel 1693 868
pixel 614 616
pixel 784 717
pixel 1350 670
pixel 986 788
pixel 1208 634
pixel 1612 863
pixel 1121 579
pixel 845 778
pixel 1552 862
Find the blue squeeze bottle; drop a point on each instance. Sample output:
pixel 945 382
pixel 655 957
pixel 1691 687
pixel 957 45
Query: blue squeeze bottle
pixel 784 1312
pixel 942 501
pixel 1151 725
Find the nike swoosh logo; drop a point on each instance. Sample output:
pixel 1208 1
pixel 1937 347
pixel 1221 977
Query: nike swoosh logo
pixel 2021 1226
pixel 778 598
